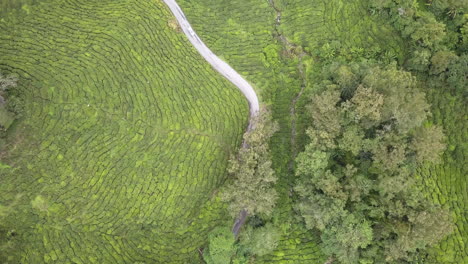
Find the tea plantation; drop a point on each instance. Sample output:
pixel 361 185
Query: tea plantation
pixel 124 138
pixel 248 36
pixel 121 152
pixel 346 24
pixel 447 183
pixel 246 29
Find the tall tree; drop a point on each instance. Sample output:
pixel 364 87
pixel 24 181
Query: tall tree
pixel 253 186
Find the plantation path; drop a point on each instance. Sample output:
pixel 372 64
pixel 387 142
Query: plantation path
pixel 221 66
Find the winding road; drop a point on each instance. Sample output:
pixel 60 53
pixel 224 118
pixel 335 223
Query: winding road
pixel 228 72
pixel 222 67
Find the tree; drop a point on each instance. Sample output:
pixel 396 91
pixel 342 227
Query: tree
pixel 457 75
pixel 6 115
pixel 323 107
pixel 405 105
pixel 464 35
pixel 355 176
pixel 450 7
pixel 253 186
pixel 7 82
pixel 221 246
pixel 441 61
pixel 344 238
pixel 260 241
pixel 420 59
pixel 428 144
pixel 428 32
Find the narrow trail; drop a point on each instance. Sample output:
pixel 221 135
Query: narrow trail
pixel 222 67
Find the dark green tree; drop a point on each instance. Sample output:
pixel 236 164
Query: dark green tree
pixel 441 61
pixel 457 75
pixel 450 7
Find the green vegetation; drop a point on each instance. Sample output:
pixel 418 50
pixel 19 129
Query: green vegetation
pixel 337 28
pixel 121 153
pixel 438 57
pixel 254 241
pixel 253 186
pixel 356 180
pixel 9 6
pixel 313 34
pixel 247 37
pixel 221 246
pixel 244 36
pixel 446 183
pixel 6 115
pixel 125 136
pixel 260 241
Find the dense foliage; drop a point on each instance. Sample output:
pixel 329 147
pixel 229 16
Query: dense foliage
pixel 10 108
pixel 221 246
pixel 438 57
pixel 253 242
pixel 253 186
pixel 357 186
pixel 259 241
pixel 250 35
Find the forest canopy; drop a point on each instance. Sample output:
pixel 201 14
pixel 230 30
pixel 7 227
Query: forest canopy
pixel 356 176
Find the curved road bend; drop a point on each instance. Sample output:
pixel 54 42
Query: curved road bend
pixel 219 65
pixel 225 70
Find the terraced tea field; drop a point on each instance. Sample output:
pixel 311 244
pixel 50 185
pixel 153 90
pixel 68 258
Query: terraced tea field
pixel 313 23
pixel 127 131
pixel 125 136
pixel 237 31
pixel 447 183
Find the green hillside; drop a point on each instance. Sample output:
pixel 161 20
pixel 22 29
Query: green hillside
pixel 124 137
pixel 121 154
pixel 279 59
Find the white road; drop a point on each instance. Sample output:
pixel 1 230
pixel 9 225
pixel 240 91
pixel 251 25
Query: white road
pixel 219 65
